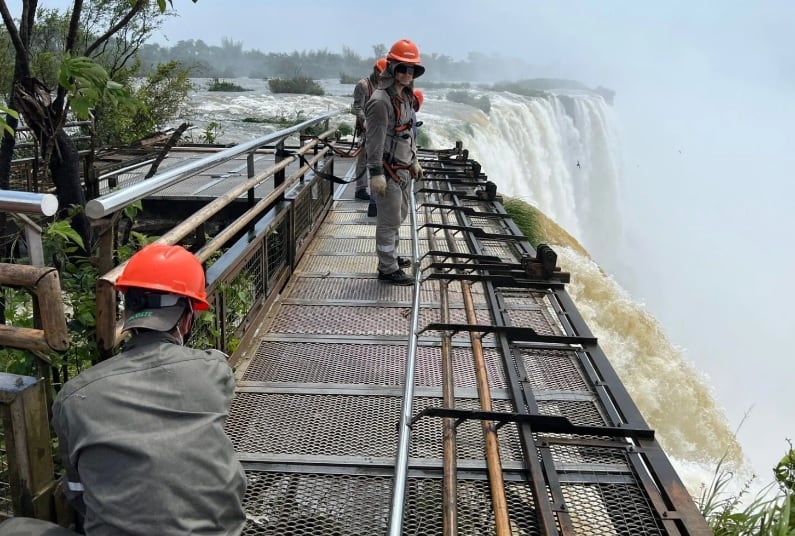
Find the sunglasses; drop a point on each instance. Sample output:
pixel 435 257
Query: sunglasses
pixel 404 69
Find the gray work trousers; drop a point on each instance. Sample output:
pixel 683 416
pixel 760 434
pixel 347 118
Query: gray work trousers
pixel 393 207
pixel 361 167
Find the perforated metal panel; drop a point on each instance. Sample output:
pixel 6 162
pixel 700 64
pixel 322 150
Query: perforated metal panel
pixel 370 364
pixel 552 369
pixel 367 289
pixel 339 264
pixel 282 504
pixel 610 509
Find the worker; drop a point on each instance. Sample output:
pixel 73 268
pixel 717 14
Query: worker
pixel 142 434
pixel 361 94
pixel 392 154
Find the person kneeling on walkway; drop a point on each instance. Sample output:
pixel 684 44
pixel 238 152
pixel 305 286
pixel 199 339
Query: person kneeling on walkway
pixel 391 150
pixel 142 434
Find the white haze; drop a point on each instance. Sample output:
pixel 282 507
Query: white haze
pixel 705 110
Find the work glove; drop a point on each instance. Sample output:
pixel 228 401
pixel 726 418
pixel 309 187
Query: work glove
pixel 416 169
pixel 378 184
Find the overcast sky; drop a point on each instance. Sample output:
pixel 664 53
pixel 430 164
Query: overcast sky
pixel 704 98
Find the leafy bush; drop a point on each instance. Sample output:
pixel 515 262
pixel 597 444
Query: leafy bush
pixel 223 85
pixel 348 79
pixel 345 129
pixel 301 85
pixel 160 97
pixel 769 512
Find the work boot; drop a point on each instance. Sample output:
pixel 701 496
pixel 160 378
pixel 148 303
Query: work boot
pixel 404 262
pixel 362 195
pixel 398 277
pixel 372 210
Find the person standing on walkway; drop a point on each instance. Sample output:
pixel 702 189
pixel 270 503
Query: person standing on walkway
pixel 142 434
pixel 392 154
pixel 361 94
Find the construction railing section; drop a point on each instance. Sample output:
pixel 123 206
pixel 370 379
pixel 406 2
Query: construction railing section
pixel 591 464
pixel 242 272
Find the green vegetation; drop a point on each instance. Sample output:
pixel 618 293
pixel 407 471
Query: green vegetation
pixel 527 219
pixel 349 79
pixel 769 512
pixel 464 97
pixel 345 129
pixel 298 84
pixel 423 139
pixel 159 98
pixel 223 85
pixel 78 277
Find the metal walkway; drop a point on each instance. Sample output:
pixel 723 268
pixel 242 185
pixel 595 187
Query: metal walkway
pixel 316 414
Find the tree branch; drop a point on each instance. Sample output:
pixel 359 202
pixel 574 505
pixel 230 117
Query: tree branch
pixel 139 5
pixel 13 32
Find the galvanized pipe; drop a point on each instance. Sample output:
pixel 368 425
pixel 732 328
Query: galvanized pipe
pixel 402 458
pixel 112 202
pixel 28 202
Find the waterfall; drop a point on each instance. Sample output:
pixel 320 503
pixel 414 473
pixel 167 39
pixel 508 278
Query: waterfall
pixel 531 147
pixel 559 153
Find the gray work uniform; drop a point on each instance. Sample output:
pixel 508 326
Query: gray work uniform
pixel 361 94
pixel 143 435
pixel 389 138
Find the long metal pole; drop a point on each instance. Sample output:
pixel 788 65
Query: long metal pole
pixel 402 458
pixel 493 463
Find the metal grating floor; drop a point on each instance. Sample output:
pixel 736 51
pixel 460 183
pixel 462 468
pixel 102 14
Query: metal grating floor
pixel 319 396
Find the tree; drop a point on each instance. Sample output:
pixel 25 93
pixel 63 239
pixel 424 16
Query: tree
pixel 111 31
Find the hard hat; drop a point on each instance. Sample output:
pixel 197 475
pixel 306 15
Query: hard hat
pixel 380 65
pixel 418 100
pixel 167 269
pixel 405 51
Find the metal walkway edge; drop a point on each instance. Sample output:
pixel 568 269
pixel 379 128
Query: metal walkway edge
pixel 318 400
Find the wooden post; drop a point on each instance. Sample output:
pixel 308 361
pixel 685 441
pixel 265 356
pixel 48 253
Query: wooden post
pixel 23 406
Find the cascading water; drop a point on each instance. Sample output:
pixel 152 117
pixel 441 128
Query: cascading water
pixel 561 153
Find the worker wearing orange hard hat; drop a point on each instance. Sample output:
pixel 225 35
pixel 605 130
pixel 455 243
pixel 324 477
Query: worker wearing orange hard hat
pixel 141 434
pixel 392 154
pixel 361 94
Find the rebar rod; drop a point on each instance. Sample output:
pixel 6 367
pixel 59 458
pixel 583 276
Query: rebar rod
pixel 449 449
pixel 493 463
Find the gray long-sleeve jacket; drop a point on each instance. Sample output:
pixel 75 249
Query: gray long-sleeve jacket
pixel 361 94
pixel 143 434
pixel 389 120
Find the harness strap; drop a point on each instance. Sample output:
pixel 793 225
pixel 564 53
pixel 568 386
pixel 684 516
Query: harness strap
pixel 390 169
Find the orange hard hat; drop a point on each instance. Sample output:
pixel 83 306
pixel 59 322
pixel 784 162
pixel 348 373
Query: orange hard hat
pixel 380 65
pixel 418 99
pixel 404 51
pixel 164 268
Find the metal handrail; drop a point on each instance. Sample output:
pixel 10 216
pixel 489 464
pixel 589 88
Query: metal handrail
pixel 402 459
pixel 112 202
pixel 28 202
